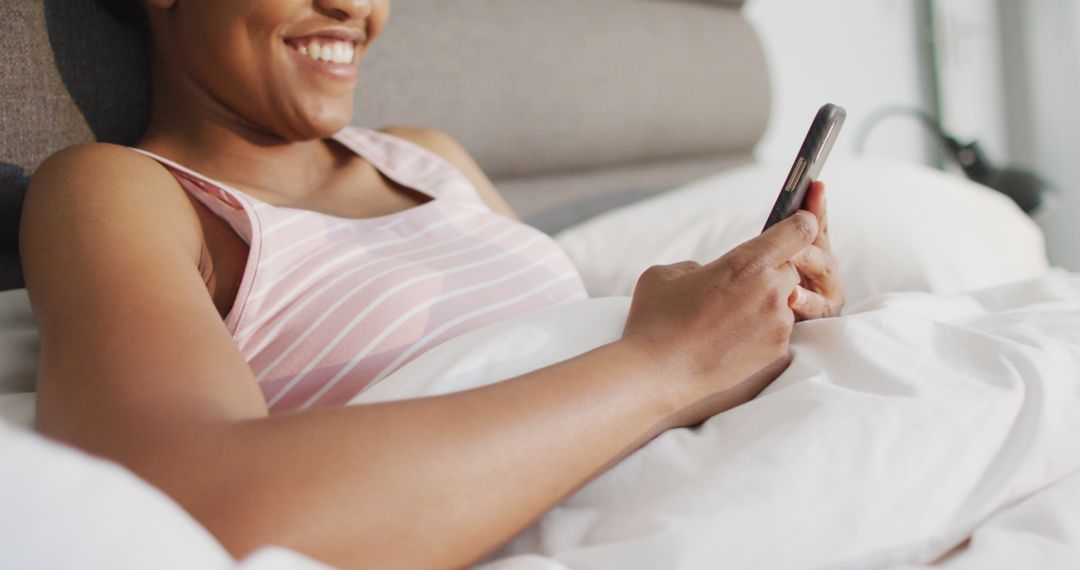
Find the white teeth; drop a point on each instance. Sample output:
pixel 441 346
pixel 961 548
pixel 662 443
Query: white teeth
pixel 330 52
pixel 342 52
pixel 348 52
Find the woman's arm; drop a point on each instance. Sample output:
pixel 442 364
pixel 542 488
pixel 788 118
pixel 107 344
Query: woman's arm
pixel 137 366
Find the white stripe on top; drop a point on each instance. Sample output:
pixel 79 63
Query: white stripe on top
pixel 412 278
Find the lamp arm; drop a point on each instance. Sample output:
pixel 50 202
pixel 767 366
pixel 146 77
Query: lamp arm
pixel 929 121
pixel 1025 188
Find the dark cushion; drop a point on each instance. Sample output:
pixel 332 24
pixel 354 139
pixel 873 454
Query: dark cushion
pixel 69 74
pixel 13 181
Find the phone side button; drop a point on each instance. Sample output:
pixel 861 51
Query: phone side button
pixel 796 174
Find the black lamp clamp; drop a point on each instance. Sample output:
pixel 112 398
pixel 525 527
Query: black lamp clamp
pixel 1030 192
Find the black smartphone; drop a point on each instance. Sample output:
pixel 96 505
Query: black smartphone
pixel 815 149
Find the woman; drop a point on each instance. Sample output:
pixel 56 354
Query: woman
pixel 253 258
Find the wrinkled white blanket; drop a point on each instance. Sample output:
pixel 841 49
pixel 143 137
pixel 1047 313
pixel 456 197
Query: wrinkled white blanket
pixel 899 430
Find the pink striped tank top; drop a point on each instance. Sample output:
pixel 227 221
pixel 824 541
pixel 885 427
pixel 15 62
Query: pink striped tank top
pixel 328 306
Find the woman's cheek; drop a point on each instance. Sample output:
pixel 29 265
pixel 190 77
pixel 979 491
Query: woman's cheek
pixel 379 16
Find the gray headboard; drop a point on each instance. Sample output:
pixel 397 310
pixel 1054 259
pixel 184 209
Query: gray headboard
pixel 571 106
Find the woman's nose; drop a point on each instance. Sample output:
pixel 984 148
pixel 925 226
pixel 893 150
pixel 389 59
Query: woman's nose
pixel 346 9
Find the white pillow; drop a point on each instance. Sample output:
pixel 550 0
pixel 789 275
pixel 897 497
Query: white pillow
pixel 65 509
pixel 18 343
pixel 18 358
pixel 61 508
pixel 894 227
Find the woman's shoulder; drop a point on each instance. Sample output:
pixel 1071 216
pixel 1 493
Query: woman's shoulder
pixel 110 247
pixel 97 153
pixel 104 186
pixel 100 171
pixel 112 168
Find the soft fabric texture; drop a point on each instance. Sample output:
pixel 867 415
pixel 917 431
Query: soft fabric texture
pixel 894 227
pixel 1042 531
pixel 19 351
pixel 555 202
pixel 989 369
pixel 536 88
pixel 898 431
pixel 328 305
pixel 65 509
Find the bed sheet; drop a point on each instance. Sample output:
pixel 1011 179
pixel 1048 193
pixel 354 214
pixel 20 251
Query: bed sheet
pixel 899 431
pixel 62 508
pixel 1042 531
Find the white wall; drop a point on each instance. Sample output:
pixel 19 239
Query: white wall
pixel 1010 78
pixel 860 54
pixel 971 73
pixel 1042 76
pixel 1009 73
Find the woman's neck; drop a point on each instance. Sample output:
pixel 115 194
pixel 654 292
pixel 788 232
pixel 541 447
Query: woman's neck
pixel 204 134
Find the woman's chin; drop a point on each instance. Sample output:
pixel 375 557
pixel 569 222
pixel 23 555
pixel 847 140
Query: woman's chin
pixel 318 125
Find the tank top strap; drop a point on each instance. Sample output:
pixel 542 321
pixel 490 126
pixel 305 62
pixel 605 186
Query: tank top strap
pixel 231 205
pixel 410 164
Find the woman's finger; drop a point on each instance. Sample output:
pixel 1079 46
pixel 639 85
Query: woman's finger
pixel 815 266
pixel 781 242
pixel 790 275
pixel 815 203
pixel 808 305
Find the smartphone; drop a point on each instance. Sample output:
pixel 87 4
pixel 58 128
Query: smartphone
pixel 815 149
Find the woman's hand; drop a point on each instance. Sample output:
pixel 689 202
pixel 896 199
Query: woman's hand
pixel 820 293
pixel 720 331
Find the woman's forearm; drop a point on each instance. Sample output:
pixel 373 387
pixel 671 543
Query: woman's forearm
pixel 429 482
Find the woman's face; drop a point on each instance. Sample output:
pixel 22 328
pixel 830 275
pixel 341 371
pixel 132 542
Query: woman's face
pixel 288 67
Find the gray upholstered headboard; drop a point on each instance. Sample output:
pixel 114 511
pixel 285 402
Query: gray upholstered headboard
pixel 571 106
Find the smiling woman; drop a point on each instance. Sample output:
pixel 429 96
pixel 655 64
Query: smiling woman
pixel 337 48
pixel 252 64
pixel 209 298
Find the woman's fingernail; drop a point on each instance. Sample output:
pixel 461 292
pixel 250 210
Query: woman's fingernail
pixel 800 297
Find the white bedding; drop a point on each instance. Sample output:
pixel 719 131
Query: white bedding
pixel 61 508
pixel 899 430
pixel 895 227
pixel 1042 531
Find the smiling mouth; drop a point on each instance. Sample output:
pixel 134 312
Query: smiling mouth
pixel 325 49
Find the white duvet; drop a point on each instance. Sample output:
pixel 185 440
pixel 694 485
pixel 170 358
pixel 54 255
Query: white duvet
pixel 915 431
pixel 900 430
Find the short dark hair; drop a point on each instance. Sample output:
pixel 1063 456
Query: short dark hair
pixel 128 12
